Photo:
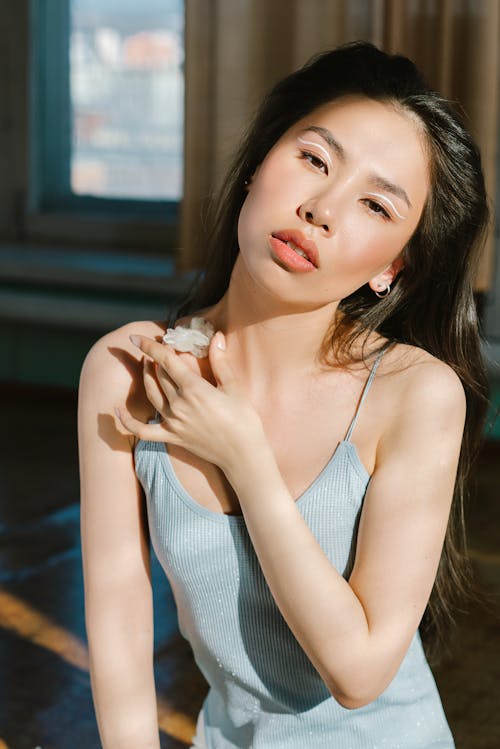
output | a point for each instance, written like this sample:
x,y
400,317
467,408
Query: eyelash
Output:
x,y
382,212
318,163
314,160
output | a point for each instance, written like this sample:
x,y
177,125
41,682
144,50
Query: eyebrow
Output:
x,y
388,186
328,137
375,179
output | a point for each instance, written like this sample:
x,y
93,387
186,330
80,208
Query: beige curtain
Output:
x,y
456,44
236,49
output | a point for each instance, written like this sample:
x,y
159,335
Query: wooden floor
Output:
x,y
45,698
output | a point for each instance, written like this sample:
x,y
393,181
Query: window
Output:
x,y
107,114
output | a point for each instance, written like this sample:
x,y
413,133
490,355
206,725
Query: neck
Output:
x,y
268,340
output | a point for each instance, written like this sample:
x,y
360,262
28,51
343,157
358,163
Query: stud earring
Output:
x,y
385,292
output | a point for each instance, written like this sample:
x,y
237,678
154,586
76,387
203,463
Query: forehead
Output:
x,y
369,117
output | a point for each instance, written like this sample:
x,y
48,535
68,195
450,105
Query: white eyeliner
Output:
x,y
321,148
383,197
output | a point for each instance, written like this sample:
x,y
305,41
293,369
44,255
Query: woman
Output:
x,y
303,509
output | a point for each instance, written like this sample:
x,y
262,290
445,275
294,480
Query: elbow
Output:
x,y
358,681
352,696
351,701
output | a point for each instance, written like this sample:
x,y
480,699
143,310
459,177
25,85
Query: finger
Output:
x,y
166,357
149,346
219,362
160,388
147,432
156,396
167,385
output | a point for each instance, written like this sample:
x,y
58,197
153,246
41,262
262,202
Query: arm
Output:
x,y
355,632
118,600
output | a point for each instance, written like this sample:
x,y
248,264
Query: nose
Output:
x,y
317,213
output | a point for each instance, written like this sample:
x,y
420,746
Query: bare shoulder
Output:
x,y
120,337
423,388
424,377
112,370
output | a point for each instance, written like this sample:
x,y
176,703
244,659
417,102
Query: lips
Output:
x,y
296,240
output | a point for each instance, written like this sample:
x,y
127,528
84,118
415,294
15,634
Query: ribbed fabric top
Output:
x,y
264,692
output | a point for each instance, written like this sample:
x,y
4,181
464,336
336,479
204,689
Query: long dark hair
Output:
x,y
431,304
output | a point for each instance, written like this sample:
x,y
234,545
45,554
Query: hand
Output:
x,y
216,422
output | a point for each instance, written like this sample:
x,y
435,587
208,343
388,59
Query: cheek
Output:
x,y
370,244
274,184
246,221
263,204
251,234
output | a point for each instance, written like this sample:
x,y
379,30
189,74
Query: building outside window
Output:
x,y
126,91
108,108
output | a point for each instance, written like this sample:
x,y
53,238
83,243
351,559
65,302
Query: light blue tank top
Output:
x,y
264,692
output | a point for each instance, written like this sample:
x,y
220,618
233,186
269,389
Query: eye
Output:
x,y
377,208
314,160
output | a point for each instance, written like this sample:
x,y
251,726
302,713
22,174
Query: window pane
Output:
x,y
127,91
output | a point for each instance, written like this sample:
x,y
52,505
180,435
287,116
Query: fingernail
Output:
x,y
221,341
136,340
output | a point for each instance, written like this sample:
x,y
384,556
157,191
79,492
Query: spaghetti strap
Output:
x,y
365,392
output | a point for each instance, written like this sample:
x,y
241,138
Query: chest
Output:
x,y
303,434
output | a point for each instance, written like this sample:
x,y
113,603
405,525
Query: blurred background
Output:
x,y
117,118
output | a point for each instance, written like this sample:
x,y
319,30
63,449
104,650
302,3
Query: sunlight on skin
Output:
x,y
19,617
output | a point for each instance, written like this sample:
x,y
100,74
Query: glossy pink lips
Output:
x,y
285,245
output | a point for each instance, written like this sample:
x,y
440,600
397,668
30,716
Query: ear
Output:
x,y
384,279
250,179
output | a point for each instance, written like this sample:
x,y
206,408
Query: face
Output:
x,y
334,203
